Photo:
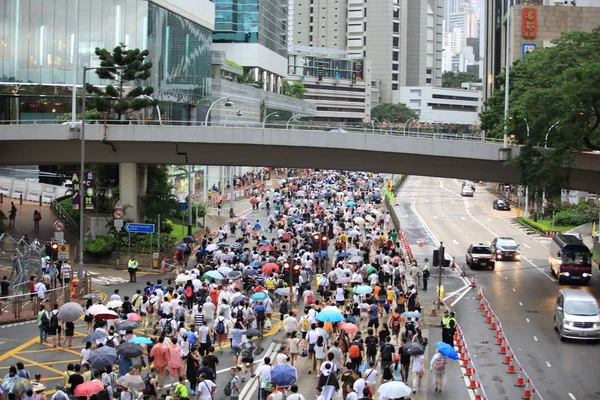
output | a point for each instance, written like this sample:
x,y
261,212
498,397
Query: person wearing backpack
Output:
x,y
54,328
221,331
261,315
395,324
284,309
43,320
438,366
372,344
232,388
355,352
387,353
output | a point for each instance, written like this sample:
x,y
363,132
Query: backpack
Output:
x,y
283,307
370,394
168,328
270,283
44,318
440,364
220,329
227,388
410,326
354,351
280,284
148,388
351,319
189,292
310,299
191,338
397,272
305,325
260,314
110,341
386,352
395,323
239,315
54,320
371,342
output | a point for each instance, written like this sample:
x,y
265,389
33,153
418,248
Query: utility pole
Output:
x,y
440,266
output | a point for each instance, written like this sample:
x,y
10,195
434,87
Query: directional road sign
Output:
x,y
139,228
183,206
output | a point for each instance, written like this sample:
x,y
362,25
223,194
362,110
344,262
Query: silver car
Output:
x,y
576,315
467,191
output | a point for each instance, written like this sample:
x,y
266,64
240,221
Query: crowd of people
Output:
x,y
349,303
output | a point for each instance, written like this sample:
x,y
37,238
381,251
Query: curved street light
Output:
x,y
275,114
287,126
228,103
406,123
545,147
239,114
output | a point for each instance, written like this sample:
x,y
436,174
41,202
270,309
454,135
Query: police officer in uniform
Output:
x,y
426,273
132,266
448,328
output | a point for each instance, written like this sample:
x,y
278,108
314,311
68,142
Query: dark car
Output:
x,y
505,248
480,255
500,204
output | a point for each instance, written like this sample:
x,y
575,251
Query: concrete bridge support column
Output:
x,y
133,179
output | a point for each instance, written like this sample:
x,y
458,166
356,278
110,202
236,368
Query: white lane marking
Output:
x,y
454,241
526,245
548,364
521,304
506,277
571,396
463,218
456,292
514,290
527,319
535,338
460,297
435,217
489,219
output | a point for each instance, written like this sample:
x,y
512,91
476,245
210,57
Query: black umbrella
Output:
x,y
103,357
413,349
253,332
129,350
127,326
92,337
189,239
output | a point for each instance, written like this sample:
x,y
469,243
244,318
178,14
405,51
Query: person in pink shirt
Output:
x,y
175,360
214,296
160,354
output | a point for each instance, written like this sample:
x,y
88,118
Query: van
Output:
x,y
570,259
576,315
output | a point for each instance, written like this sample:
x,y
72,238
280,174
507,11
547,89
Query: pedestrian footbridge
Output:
x,y
443,155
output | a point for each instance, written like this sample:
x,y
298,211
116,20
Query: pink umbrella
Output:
x,y
253,200
287,205
348,327
133,317
97,308
86,389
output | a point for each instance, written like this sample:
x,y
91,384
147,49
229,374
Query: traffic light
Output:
x,y
286,267
316,237
296,269
325,241
436,258
54,255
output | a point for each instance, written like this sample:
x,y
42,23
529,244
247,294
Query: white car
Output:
x,y
467,191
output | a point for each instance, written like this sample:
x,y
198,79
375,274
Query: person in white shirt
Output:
x,y
40,289
66,271
115,296
262,375
282,357
340,296
166,308
208,309
371,374
291,324
206,388
359,383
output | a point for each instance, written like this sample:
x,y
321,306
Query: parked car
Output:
x,y
499,204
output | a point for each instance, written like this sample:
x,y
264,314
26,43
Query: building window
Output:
x,y
311,20
310,38
395,41
312,10
365,12
428,80
394,86
365,26
395,55
394,67
310,28
364,40
395,77
396,27
428,71
365,54
396,13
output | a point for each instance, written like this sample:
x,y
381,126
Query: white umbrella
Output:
x,y
212,247
359,220
182,278
394,389
354,232
97,308
114,304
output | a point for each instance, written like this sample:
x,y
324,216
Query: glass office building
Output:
x,y
252,21
41,41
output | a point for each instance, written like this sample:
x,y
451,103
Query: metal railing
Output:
x,y
409,132
63,215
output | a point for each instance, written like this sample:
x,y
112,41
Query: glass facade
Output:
x,y
305,65
252,21
40,41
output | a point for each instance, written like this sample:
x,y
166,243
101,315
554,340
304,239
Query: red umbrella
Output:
x,y
133,317
293,187
86,389
109,314
259,289
266,247
270,268
253,200
348,327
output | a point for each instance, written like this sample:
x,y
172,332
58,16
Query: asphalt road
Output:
x,y
521,293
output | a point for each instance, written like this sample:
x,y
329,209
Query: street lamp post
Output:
x,y
373,124
507,74
228,103
82,162
406,123
275,114
287,126
239,114
545,147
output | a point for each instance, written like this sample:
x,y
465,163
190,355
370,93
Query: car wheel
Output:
x,y
492,267
560,332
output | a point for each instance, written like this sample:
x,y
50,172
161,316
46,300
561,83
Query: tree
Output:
x,y
555,92
158,198
451,79
394,113
294,89
126,94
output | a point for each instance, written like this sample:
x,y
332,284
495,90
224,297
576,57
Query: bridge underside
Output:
x,y
68,152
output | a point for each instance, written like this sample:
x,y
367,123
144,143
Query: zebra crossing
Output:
x,y
106,280
526,230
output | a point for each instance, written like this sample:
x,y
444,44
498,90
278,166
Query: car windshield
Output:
x,y
575,257
467,189
584,308
500,202
482,250
506,242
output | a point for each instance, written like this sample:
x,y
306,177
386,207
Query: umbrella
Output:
x,y
259,288
413,349
242,218
129,350
132,382
350,203
223,244
332,308
342,280
266,247
114,304
250,272
343,254
189,239
253,200
225,270
411,314
109,314
283,375
211,247
371,270
237,245
234,275
16,384
182,247
92,337
263,242
127,326
93,296
103,357
213,275
356,259
394,390
359,220
238,300
253,332
86,389
259,296
141,340
133,317
322,254
447,350
97,308
348,327
181,278
282,292
70,312
363,289
269,268
330,316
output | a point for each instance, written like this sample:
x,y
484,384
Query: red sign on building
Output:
x,y
529,23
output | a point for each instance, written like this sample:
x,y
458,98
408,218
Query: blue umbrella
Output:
x,y
141,340
213,275
259,296
363,289
182,247
250,272
411,314
238,300
283,375
344,254
263,242
330,316
225,270
447,350
322,254
350,203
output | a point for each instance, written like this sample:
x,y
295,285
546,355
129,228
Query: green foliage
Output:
x,y
545,225
294,89
394,113
582,213
102,245
158,198
143,243
245,78
125,95
233,64
90,115
549,85
451,79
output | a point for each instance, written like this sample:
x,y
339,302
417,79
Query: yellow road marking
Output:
x,y
37,364
17,349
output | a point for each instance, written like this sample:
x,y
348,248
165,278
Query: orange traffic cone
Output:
x,y
488,319
493,324
469,370
497,334
508,355
511,366
472,383
420,242
433,311
479,294
487,310
478,395
472,280
463,273
503,347
500,339
520,379
481,304
527,391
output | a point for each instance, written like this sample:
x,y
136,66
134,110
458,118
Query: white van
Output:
x,y
576,315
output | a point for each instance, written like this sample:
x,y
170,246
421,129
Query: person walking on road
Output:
x,y
418,369
43,320
426,271
37,217
438,365
132,266
12,214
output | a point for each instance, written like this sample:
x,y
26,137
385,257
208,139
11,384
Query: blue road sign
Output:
x,y
139,228
183,206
